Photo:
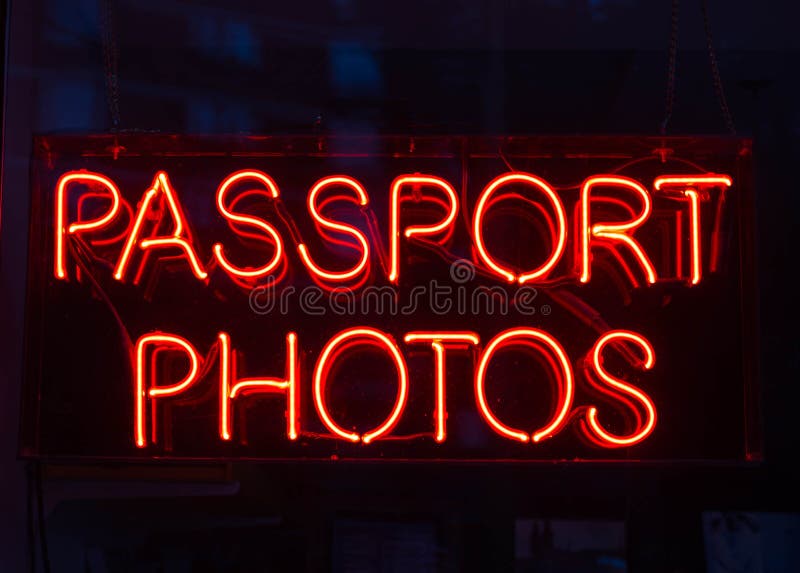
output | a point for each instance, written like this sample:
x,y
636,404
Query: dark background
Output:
x,y
412,67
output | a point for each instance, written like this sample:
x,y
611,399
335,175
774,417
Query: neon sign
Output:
x,y
307,298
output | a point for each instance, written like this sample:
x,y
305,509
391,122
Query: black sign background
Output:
x,y
79,398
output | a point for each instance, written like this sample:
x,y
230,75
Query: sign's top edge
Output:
x,y
508,137
543,146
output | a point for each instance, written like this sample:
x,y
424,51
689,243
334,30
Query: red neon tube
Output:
x,y
346,338
439,341
268,231
178,238
563,374
230,388
416,230
561,228
160,342
613,232
360,199
61,216
596,432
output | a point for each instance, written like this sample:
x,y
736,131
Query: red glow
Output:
x,y
613,232
694,216
160,342
160,186
692,181
269,234
678,244
360,199
439,341
416,230
450,336
230,389
561,230
626,268
347,338
61,229
440,413
597,433
687,186
615,237
341,299
105,241
543,213
563,377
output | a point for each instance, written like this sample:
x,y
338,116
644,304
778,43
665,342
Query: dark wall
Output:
x,y
341,66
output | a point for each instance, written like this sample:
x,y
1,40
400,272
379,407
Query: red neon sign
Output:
x,y
439,342
610,235
159,342
270,234
62,229
416,230
562,372
595,430
560,232
324,224
229,390
308,305
179,238
351,338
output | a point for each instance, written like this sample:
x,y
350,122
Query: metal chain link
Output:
x,y
110,60
671,64
712,58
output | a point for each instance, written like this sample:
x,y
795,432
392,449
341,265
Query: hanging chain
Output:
x,y
712,58
673,56
110,60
